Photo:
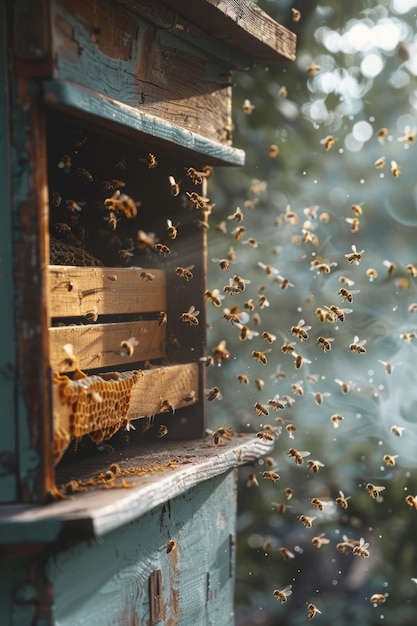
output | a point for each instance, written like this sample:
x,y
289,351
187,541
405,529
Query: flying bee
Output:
x,y
390,459
245,333
85,174
286,554
348,282
268,337
299,360
358,345
172,230
395,169
259,383
213,296
265,435
411,501
312,610
235,315
224,264
397,430
361,549
208,360
380,163
252,481
320,540
213,393
62,228
319,396
355,256
411,269
65,163
342,500
190,317
340,313
220,435
296,15
346,546
220,352
128,346
247,107
313,69
325,343
357,209
409,134
374,490
307,520
260,356
276,403
298,455
354,224
221,227
263,301
269,270
273,151
290,428
145,240
151,161
174,186
408,336
70,359
272,476
389,367
282,594
291,216
314,465
297,388
280,507
162,249
335,419
200,202
328,142
345,385
382,134
316,503
412,307
73,206
288,493
260,409
238,232
300,330
185,272
237,216
377,599
196,177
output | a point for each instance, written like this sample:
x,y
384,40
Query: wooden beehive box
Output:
x,y
104,108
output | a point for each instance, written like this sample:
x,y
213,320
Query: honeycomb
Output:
x,y
90,405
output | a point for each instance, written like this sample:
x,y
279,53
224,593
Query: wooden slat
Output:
x,y
243,25
76,291
140,126
99,345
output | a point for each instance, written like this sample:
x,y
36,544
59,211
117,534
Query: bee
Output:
x,y
300,330
380,163
286,554
321,266
290,428
273,151
185,272
276,403
112,185
172,230
340,313
196,177
162,431
252,481
299,361
297,388
280,507
273,476
411,501
298,455
355,256
342,500
307,520
62,228
288,493
377,599
312,610
190,317
65,163
249,305
408,336
237,216
319,396
162,318
269,270
268,337
259,384
151,161
412,307
409,136
85,174
260,357
335,419
411,269
144,240
354,224
282,594
200,202
235,315
265,435
346,546
389,367
374,490
313,69
248,107
296,15
314,465
245,333
189,397
345,385
162,249
175,186
148,276
395,169
325,343
128,346
221,352
73,206
320,540
361,549
171,546
358,346
213,393
126,254
390,459
213,296
316,503
263,301
282,92
397,430
92,315
382,134
56,199
221,434
357,209
260,409
328,142
224,264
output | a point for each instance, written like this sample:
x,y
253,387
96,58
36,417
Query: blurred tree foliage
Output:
x,y
297,209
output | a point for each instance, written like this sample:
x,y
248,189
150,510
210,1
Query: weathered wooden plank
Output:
x,y
106,345
169,469
169,137
8,446
243,25
79,291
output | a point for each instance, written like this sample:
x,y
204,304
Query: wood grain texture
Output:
x,y
101,345
242,24
76,291
96,513
163,135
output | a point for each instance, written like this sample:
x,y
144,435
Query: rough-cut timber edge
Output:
x,y
94,513
243,25
173,139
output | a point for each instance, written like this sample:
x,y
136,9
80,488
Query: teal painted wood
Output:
x,y
8,485
106,582
77,100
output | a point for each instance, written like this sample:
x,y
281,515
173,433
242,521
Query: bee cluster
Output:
x,y
296,308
